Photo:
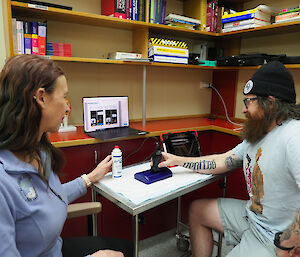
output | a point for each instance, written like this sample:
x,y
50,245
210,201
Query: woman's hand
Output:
x,y
107,253
102,168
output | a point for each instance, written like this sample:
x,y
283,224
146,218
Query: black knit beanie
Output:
x,y
272,79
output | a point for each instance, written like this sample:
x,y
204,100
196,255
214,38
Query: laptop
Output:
x,y
106,118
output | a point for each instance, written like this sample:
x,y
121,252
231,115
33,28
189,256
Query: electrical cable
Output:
x,y
139,148
224,105
148,157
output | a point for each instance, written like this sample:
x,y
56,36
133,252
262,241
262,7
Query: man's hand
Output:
x,y
291,238
169,160
292,253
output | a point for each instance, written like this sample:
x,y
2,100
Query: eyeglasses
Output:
x,y
247,101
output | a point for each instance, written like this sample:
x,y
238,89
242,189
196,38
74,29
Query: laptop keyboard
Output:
x,y
116,133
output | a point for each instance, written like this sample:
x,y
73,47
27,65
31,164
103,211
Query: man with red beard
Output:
x,y
268,224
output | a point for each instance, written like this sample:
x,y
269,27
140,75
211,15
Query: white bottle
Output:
x,y
117,162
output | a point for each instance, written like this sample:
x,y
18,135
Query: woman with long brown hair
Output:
x,y
33,202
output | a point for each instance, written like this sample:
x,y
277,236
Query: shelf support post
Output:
x,y
144,95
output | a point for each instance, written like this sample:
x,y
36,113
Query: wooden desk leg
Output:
x,y
136,235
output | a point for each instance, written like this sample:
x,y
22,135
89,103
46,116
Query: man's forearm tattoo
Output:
x,y
201,165
232,163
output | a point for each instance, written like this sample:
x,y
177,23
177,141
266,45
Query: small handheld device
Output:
x,y
154,174
156,158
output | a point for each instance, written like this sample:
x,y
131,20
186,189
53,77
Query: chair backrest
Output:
x,y
89,209
184,143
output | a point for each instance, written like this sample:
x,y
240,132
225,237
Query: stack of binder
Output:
x,y
170,51
182,21
259,16
288,14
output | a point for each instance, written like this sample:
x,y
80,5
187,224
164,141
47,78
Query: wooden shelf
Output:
x,y
173,65
22,9
107,61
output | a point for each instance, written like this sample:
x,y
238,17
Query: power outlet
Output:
x,y
204,84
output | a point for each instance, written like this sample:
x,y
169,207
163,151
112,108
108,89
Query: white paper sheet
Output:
x,y
138,192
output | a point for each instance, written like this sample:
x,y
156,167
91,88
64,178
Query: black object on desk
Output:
x,y
154,174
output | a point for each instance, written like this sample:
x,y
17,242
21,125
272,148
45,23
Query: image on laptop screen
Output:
x,y
105,112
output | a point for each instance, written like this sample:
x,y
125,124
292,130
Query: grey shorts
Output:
x,y
248,242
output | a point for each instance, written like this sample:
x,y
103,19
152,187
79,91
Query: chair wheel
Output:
x,y
182,244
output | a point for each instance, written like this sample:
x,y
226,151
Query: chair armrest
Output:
x,y
83,209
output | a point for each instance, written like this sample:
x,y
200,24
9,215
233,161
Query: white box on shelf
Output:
x,y
123,55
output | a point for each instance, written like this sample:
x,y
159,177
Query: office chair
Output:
x,y
90,209
186,143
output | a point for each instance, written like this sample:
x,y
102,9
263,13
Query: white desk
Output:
x,y
116,190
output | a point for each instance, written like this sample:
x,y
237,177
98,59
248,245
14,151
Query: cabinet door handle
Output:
x,y
96,157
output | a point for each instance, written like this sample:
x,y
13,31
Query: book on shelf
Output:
x,y
141,12
59,49
221,10
49,48
253,21
170,59
152,10
35,47
157,11
294,18
261,12
113,8
40,3
287,16
154,41
182,19
42,32
67,48
180,25
290,9
128,6
137,59
14,34
212,16
124,55
170,51
163,11
20,37
240,27
135,13
27,37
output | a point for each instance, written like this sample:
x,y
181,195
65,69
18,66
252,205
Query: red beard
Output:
x,y
255,128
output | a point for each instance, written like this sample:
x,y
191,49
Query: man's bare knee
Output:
x,y
205,212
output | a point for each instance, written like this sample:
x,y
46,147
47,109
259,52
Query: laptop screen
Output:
x,y
105,112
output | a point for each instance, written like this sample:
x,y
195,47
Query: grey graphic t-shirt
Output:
x,y
272,172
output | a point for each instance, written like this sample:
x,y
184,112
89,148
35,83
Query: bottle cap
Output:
x,y
116,146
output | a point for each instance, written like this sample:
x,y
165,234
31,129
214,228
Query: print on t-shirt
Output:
x,y
257,185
